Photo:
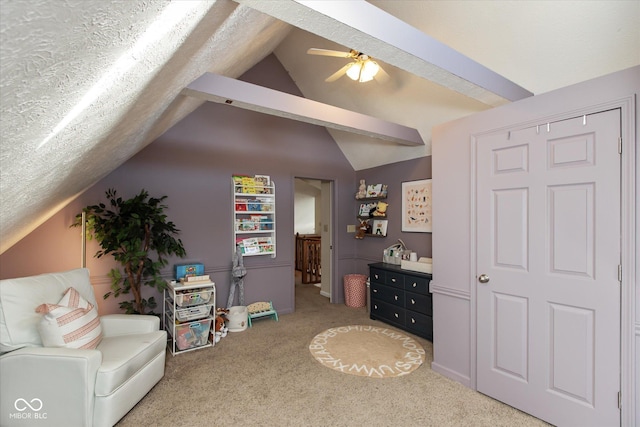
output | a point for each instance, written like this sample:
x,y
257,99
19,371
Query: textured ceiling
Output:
x,y
86,84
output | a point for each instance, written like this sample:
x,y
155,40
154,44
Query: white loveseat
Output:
x,y
72,387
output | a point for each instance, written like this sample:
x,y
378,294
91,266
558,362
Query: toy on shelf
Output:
x,y
380,209
362,228
261,309
362,190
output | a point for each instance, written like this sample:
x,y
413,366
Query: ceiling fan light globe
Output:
x,y
369,70
353,72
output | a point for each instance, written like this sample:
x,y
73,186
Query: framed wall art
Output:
x,y
416,206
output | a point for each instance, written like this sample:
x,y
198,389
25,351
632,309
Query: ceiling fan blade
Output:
x,y
381,76
326,52
341,72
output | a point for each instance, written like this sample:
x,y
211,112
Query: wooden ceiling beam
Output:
x,y
224,90
359,25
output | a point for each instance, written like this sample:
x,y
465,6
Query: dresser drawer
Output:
x,y
388,312
394,279
419,324
418,302
415,284
376,275
401,298
387,294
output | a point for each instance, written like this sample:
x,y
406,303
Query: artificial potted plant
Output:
x,y
138,235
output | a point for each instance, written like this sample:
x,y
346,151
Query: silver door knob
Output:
x,y
483,278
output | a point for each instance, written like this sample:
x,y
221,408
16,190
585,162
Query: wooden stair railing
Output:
x,y
308,249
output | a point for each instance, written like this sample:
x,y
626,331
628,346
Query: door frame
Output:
x,y
627,243
327,266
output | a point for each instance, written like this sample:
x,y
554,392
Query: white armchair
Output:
x,y
72,387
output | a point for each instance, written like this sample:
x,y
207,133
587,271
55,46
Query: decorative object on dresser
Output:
x,y
401,298
395,253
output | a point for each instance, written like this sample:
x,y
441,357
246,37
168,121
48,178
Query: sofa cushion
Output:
x,y
20,297
123,356
72,323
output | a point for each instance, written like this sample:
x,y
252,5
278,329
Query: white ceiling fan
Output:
x,y
362,69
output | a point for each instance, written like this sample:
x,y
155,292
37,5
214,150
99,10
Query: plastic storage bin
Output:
x,y
194,334
193,297
355,290
192,313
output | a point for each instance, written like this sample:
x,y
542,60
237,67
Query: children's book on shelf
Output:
x,y
265,204
379,227
237,183
374,190
258,184
255,245
265,244
365,209
250,246
249,185
253,205
263,184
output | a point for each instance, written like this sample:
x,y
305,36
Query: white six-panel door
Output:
x,y
548,251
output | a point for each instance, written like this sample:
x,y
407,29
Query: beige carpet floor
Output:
x,y
266,376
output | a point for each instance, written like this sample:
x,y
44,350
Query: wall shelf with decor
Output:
x,y
372,211
254,214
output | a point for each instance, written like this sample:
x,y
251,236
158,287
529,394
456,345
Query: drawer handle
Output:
x,y
395,314
375,291
375,306
415,284
413,320
376,276
393,280
413,301
396,297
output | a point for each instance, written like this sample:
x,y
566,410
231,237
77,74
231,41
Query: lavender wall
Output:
x,y
370,249
192,164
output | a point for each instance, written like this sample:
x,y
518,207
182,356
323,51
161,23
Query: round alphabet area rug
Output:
x,y
367,351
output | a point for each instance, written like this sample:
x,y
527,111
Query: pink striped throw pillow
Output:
x,y
72,323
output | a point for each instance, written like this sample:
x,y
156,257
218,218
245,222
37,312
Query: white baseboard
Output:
x,y
464,380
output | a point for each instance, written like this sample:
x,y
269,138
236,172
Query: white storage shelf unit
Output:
x,y
254,219
188,315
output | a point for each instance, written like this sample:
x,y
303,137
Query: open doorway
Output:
x,y
313,233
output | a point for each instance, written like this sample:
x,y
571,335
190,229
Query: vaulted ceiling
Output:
x,y
86,84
